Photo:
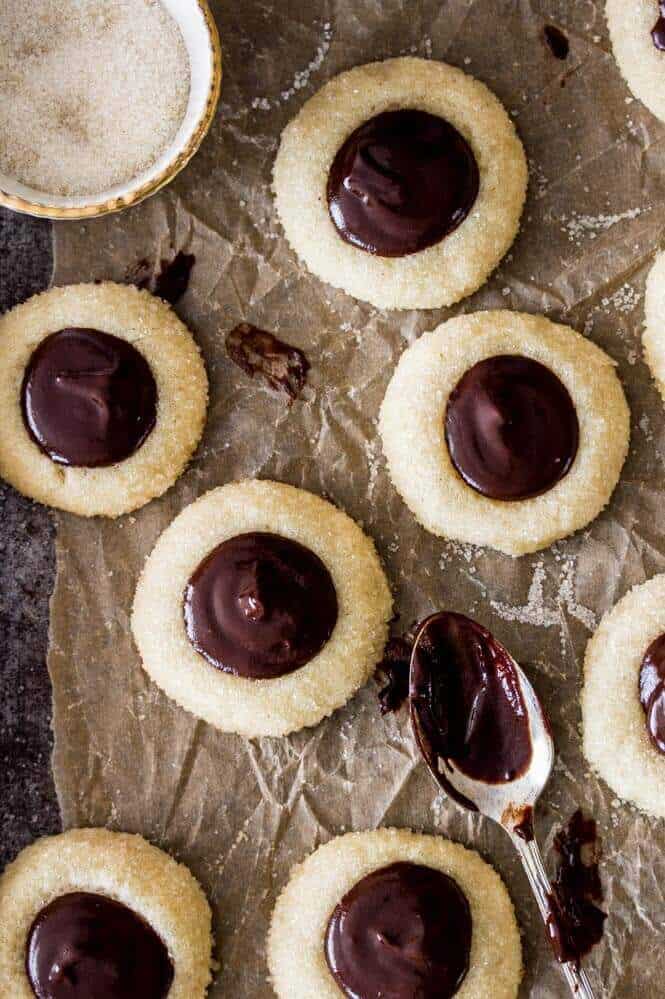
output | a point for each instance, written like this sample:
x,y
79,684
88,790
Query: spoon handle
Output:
x,y
530,856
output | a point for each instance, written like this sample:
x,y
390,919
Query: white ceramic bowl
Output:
x,y
205,58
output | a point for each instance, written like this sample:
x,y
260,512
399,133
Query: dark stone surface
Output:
x,y
28,807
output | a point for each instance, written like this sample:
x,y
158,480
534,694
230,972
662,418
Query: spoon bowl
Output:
x,y
486,700
510,804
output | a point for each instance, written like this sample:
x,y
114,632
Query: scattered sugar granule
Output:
x,y
538,178
568,597
261,104
91,93
576,226
535,610
301,78
645,427
625,299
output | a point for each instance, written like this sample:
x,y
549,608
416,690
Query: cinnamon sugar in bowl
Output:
x,y
101,104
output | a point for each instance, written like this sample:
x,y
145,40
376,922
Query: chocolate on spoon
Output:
x,y
485,738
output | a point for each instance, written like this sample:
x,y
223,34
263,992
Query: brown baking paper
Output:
x,y
242,812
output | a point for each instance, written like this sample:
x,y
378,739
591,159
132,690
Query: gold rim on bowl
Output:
x,y
123,201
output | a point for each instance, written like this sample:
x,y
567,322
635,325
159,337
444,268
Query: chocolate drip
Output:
x,y
524,826
82,946
403,931
258,352
511,428
652,691
260,606
658,30
467,705
89,399
556,41
170,282
402,182
576,923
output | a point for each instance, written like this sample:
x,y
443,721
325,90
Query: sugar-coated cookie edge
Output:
x,y
177,366
653,337
126,868
615,738
640,63
441,274
296,956
302,698
412,422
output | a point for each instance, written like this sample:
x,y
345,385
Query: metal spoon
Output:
x,y
510,803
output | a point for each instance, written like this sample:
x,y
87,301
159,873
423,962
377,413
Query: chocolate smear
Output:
x,y
394,670
169,282
261,353
524,827
556,42
576,923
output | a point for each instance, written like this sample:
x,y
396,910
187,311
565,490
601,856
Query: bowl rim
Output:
x,y
41,209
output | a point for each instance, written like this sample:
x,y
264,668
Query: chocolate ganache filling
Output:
x,y
467,703
403,931
83,946
401,182
89,398
511,428
260,606
658,31
652,691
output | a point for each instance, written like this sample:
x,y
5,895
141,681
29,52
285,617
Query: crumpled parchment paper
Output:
x,y
240,812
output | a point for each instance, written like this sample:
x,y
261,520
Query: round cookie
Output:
x,y
436,384
121,421
617,743
45,902
297,938
475,126
653,337
205,641
631,25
